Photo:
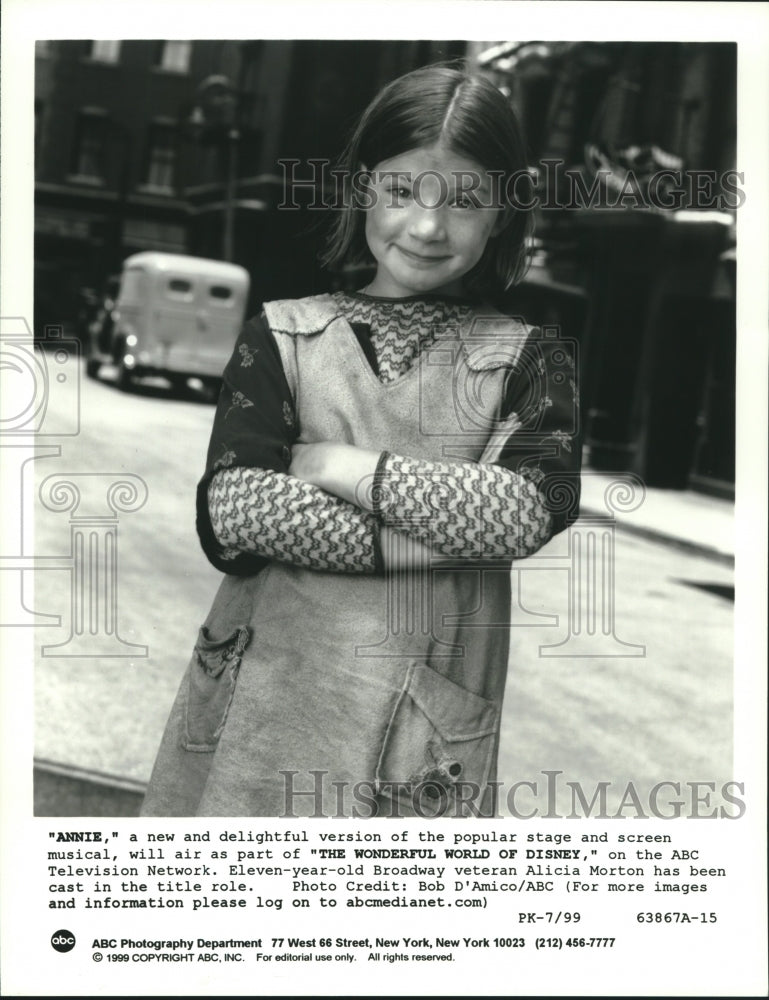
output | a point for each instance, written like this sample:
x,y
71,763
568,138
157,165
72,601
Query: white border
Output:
x,y
746,23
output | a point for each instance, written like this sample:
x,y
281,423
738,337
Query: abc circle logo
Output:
x,y
63,941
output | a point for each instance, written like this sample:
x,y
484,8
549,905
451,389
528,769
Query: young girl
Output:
x,y
378,460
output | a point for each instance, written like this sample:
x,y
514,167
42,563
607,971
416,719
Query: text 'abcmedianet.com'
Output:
x,y
241,869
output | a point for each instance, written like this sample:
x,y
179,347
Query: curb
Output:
x,y
69,790
663,538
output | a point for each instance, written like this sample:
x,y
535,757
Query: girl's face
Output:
x,y
431,214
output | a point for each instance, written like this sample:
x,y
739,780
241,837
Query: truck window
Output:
x,y
221,293
178,288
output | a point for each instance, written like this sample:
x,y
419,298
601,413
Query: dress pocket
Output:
x,y
212,675
439,746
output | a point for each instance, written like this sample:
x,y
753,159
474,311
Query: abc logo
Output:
x,y
63,941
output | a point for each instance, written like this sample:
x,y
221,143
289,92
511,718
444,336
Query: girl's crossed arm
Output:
x,y
250,509
505,506
266,497
460,510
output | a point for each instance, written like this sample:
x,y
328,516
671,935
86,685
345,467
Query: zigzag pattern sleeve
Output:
x,y
464,510
276,516
249,509
526,486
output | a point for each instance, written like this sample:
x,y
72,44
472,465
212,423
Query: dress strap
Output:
x,y
301,317
493,341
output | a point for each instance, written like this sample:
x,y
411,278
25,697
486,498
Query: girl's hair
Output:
x,y
467,113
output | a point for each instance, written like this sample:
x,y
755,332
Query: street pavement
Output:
x,y
656,705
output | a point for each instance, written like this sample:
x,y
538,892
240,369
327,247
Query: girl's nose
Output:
x,y
427,223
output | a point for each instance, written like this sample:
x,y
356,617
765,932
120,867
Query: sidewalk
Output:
x,y
693,521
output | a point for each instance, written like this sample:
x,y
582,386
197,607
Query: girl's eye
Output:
x,y
464,201
396,196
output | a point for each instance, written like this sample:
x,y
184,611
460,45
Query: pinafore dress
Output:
x,y
326,694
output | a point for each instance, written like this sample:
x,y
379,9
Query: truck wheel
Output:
x,y
125,377
211,389
92,367
179,385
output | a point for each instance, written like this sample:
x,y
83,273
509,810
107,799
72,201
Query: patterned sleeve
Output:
x,y
524,489
281,517
249,509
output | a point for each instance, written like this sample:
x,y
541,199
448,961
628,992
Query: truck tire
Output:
x,y
125,377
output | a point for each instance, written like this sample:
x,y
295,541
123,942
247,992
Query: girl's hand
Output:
x,y
405,552
340,469
347,472
308,462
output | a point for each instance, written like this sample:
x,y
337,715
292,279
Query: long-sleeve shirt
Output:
x,y
250,509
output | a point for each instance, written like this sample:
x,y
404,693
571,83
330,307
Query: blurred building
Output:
x,y
634,145
107,155
174,145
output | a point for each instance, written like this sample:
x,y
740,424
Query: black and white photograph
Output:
x,y
204,181
372,446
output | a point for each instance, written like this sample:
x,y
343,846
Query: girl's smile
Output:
x,y
425,260
429,221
